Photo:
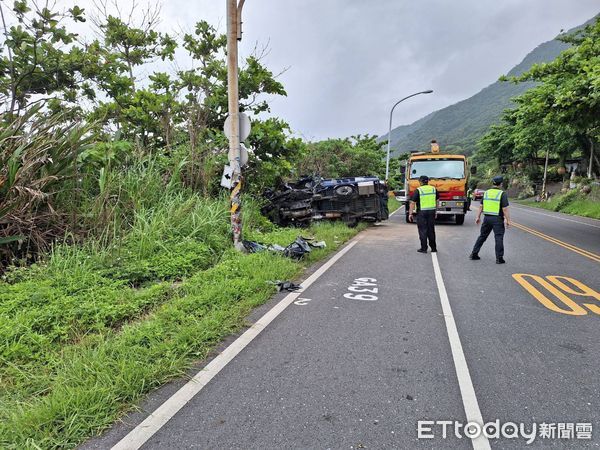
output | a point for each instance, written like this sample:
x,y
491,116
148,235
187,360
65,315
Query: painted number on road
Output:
x,y
557,289
363,289
302,301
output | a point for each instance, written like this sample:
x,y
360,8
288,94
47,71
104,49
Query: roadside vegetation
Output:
x,y
117,270
393,204
81,345
579,202
558,117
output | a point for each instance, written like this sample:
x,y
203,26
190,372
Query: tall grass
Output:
x,y
38,155
127,297
78,383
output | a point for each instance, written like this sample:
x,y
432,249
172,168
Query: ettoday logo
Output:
x,y
430,429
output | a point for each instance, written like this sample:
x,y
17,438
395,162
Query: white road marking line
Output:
x,y
534,210
155,421
399,208
467,391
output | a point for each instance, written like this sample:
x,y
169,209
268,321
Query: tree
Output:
x,y
560,115
274,154
204,104
498,143
570,85
41,59
124,45
350,157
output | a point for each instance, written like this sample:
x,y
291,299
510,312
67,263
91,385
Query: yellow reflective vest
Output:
x,y
427,199
491,202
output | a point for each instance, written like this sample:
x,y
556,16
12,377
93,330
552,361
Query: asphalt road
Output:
x,y
337,371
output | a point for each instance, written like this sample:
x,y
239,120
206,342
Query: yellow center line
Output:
x,y
558,241
587,254
566,245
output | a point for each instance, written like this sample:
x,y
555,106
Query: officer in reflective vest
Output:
x,y
423,204
494,206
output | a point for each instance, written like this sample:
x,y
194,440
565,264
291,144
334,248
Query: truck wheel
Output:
x,y
344,193
351,222
460,219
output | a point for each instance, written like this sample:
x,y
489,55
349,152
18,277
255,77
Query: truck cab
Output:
x,y
448,173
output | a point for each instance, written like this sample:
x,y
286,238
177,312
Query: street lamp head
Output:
x,y
387,161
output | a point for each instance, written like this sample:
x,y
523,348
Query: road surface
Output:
x,y
382,339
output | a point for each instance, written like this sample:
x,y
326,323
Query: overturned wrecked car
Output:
x,y
349,199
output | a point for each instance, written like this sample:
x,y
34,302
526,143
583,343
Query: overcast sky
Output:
x,y
349,61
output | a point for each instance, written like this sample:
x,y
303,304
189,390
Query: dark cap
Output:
x,y
424,179
497,180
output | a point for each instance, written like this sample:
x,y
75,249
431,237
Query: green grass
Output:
x,y
80,345
586,208
393,204
573,202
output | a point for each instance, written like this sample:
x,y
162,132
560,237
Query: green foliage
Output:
x,y
38,157
39,57
338,158
171,240
564,200
560,115
583,207
573,202
57,308
92,361
570,82
523,183
274,154
104,155
396,179
252,219
393,204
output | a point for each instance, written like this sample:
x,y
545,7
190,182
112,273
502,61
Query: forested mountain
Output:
x,y
458,127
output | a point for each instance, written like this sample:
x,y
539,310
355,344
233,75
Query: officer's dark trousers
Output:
x,y
490,223
426,226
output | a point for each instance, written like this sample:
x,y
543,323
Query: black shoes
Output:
x,y
434,250
422,251
475,257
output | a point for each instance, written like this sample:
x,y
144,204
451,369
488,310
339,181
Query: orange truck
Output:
x,y
449,174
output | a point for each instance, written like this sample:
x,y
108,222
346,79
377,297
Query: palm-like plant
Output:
x,y
38,159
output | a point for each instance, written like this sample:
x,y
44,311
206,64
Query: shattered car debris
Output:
x,y
285,285
296,250
349,199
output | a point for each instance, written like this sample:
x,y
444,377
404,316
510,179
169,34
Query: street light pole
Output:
x,y
234,12
387,161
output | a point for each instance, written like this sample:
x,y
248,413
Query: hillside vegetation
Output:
x,y
575,202
459,127
557,120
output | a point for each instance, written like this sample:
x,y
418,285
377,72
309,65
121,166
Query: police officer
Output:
x,y
469,198
494,206
423,204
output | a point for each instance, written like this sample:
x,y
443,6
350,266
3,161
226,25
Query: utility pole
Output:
x,y
543,194
591,158
234,33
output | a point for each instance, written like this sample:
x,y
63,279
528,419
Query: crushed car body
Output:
x,y
351,199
